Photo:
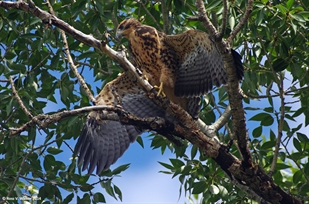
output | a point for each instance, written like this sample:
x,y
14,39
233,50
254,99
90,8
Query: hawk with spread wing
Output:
x,y
183,67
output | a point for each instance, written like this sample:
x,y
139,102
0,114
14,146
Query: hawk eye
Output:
x,y
121,27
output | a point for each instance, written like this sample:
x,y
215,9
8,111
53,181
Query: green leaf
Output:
x,y
280,166
212,5
118,192
177,163
54,150
139,140
167,165
86,187
289,4
69,198
302,137
193,151
199,187
120,169
108,188
268,145
297,145
304,190
98,197
257,132
232,22
265,118
49,162
84,200
259,17
280,64
214,189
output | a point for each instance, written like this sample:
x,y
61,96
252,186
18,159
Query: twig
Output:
x,y
148,12
205,20
242,22
70,60
17,176
214,19
295,162
211,130
4,80
40,63
46,120
280,126
224,19
164,16
20,102
223,119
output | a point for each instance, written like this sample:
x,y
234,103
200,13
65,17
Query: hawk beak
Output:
x,y
119,34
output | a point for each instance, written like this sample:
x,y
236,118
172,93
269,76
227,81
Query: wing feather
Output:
x,y
103,142
201,64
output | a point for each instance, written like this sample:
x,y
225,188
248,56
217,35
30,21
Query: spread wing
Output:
x,y
102,142
201,64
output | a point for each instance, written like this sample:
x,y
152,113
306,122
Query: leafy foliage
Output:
x,y
274,45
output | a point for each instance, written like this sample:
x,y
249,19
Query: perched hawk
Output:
x,y
183,67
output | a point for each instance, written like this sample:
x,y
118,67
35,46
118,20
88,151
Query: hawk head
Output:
x,y
126,27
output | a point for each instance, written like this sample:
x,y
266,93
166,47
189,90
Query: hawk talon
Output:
x,y
160,90
146,78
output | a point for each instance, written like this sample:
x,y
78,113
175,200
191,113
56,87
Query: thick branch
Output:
x,y
251,176
46,120
233,89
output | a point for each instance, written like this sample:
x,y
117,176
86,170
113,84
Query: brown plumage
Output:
x,y
183,66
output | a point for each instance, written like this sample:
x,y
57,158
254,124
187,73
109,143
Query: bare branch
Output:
x,y
148,12
205,20
17,176
280,126
242,22
223,119
233,89
224,19
46,120
20,102
70,60
164,16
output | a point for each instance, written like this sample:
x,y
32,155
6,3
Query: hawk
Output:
x,y
183,67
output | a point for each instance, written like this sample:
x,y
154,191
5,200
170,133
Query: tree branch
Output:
x,y
164,16
205,20
70,60
148,12
250,176
280,127
20,102
242,22
224,19
233,89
